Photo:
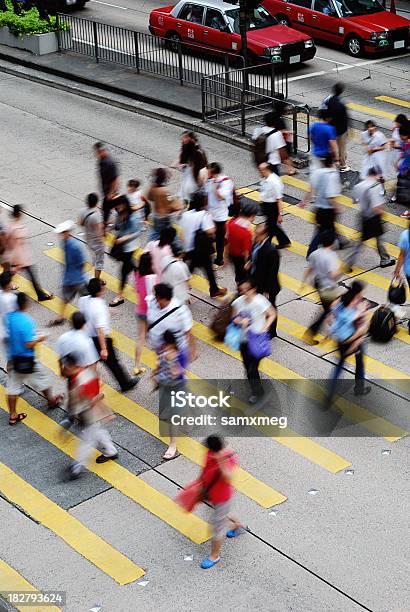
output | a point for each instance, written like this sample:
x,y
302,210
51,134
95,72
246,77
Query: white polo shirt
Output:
x,y
96,313
79,343
179,322
274,142
190,222
223,185
271,188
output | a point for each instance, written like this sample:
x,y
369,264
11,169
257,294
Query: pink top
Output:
x,y
157,255
144,286
17,251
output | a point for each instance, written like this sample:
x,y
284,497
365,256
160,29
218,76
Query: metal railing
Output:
x,y
241,108
184,62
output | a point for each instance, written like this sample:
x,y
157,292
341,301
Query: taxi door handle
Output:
x,y
206,32
314,16
178,25
288,8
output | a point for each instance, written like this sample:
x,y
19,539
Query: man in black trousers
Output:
x,y
264,268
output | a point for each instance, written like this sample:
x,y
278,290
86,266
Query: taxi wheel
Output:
x,y
354,46
173,41
283,20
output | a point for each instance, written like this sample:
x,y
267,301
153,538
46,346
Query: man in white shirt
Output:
x,y
78,342
219,189
370,196
97,316
8,303
164,312
176,273
191,223
275,145
271,192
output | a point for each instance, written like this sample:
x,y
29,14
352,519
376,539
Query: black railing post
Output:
x,y
203,98
180,66
272,81
295,129
95,33
137,52
243,118
58,33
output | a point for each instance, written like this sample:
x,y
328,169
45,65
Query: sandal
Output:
x,y
46,296
169,455
14,288
139,371
116,302
20,417
56,322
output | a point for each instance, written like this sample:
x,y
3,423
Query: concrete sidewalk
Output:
x,y
163,92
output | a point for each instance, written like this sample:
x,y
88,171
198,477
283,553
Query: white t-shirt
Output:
x,y
255,309
76,341
271,188
179,322
370,195
324,262
191,221
8,303
176,273
96,313
326,184
274,142
219,209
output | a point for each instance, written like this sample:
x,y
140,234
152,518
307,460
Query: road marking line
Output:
x,y
127,346
67,527
324,59
243,481
268,366
396,101
119,477
307,76
368,110
11,580
123,8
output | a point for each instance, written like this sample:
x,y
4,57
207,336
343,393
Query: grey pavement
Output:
x,y
344,549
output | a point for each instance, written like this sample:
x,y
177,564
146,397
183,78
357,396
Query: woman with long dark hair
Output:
x,y
349,325
192,163
127,230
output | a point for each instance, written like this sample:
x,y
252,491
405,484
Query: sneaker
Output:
x,y
104,458
405,215
361,390
393,198
220,292
344,169
387,263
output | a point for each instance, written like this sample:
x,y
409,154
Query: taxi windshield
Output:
x,y
350,8
259,18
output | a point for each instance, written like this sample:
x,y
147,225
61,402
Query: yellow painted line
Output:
x,y
370,110
67,527
396,101
11,580
149,358
244,482
117,476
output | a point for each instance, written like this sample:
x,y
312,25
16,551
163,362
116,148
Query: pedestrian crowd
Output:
x,y
204,226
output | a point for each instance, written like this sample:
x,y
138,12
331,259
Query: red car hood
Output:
x,y
275,35
380,22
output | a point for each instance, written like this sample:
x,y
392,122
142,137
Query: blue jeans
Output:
x,y
158,224
359,372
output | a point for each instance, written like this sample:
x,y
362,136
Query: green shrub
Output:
x,y
28,22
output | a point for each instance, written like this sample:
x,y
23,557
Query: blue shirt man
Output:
x,y
20,329
323,136
74,262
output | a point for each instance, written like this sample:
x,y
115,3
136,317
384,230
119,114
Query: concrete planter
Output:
x,y
39,44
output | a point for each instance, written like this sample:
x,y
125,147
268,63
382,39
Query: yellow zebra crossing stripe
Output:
x,y
118,477
369,110
396,101
11,580
244,482
276,371
67,527
308,449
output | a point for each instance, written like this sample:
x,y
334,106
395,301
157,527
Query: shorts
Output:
x,y
140,316
38,379
70,291
219,519
97,253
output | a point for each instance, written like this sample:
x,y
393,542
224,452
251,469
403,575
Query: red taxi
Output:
x,y
361,26
214,25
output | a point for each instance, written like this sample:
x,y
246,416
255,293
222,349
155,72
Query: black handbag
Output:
x,y
372,227
397,292
23,364
403,189
203,244
117,251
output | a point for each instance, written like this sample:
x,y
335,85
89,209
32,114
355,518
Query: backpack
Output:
x,y
260,155
203,243
222,319
325,103
382,325
397,292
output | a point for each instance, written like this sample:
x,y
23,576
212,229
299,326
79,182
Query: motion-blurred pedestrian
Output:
x,y
145,281
164,204
374,150
109,178
127,229
239,239
340,120
219,189
91,219
271,192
